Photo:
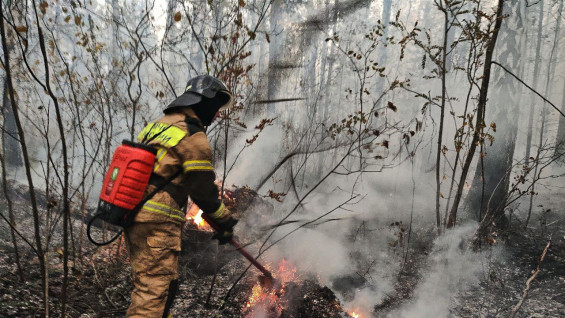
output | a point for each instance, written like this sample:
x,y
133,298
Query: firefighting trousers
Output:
x,y
154,250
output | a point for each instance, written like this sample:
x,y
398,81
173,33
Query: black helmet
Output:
x,y
206,95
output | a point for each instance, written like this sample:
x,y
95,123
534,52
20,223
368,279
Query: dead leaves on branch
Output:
x,y
264,123
278,196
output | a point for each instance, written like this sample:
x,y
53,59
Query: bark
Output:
x,y
479,119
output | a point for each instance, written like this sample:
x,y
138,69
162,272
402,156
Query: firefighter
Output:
x,y
154,239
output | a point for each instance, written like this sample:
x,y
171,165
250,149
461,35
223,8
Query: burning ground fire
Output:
x,y
277,300
265,300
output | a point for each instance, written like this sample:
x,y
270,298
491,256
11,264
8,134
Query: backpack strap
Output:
x,y
194,126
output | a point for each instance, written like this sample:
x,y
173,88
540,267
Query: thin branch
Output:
x,y
529,281
529,87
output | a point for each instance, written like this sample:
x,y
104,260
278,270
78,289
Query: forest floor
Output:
x,y
100,285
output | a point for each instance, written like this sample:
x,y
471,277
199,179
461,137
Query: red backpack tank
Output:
x,y
126,181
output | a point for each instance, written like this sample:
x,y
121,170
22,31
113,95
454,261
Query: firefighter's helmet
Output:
x,y
206,95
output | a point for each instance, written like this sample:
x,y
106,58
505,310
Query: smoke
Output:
x,y
452,268
259,158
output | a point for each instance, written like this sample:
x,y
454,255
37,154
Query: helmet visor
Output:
x,y
186,99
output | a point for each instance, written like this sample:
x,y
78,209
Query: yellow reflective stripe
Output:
x,y
166,136
163,213
164,206
197,165
219,212
161,153
198,161
198,168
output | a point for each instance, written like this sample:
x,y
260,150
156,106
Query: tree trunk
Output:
x,y
479,120
11,218
443,69
551,66
10,144
560,138
275,54
27,163
492,176
535,84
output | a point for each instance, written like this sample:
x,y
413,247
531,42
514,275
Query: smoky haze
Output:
x,y
354,119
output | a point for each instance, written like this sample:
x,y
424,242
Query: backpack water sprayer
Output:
x,y
125,183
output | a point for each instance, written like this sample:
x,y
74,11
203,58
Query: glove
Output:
x,y
225,223
225,234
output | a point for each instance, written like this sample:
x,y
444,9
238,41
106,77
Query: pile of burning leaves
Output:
x,y
289,296
204,262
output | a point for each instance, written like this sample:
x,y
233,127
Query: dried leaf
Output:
x,y
21,28
491,241
392,106
241,3
43,6
251,34
493,126
177,17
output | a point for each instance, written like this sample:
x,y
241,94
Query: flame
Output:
x,y
268,299
198,220
354,315
194,215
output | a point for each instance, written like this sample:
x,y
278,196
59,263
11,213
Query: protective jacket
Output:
x,y
182,144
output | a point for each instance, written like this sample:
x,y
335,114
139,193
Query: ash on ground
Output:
x,y
100,284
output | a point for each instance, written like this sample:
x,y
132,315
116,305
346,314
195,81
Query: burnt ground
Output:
x,y
101,288
100,285
502,287
502,279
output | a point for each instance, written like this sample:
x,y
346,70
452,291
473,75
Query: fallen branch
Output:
x,y
109,299
529,282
